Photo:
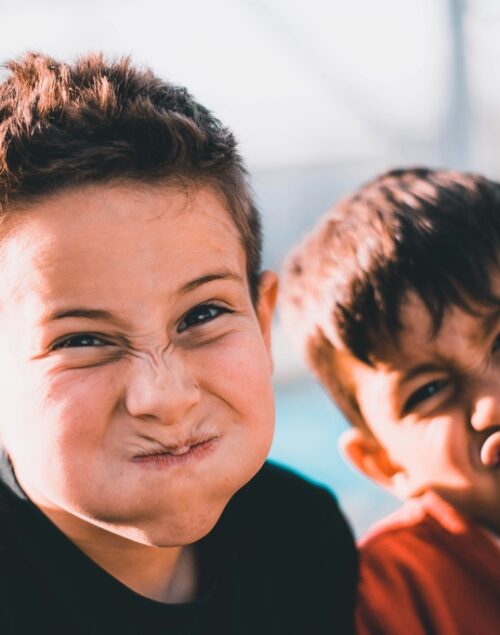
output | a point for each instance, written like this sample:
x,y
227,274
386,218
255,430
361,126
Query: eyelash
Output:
x,y
423,393
214,311
69,341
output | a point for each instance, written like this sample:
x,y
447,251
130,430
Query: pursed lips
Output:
x,y
177,448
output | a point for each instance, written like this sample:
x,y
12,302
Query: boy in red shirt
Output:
x,y
395,298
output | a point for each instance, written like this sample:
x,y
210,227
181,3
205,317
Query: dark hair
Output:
x,y
433,232
65,125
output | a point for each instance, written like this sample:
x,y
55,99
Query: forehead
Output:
x,y
99,240
460,334
117,203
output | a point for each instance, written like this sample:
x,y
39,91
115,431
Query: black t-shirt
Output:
x,y
280,561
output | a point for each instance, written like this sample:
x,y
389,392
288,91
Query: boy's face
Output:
x,y
432,406
135,375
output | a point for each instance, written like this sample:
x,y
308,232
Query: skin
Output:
x,y
429,410
97,406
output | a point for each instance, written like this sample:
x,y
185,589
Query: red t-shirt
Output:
x,y
426,570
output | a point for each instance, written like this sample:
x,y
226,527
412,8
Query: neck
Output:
x,y
164,574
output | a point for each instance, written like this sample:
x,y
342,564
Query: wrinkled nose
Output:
x,y
163,391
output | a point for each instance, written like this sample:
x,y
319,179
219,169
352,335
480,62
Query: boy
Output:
x,y
395,298
136,376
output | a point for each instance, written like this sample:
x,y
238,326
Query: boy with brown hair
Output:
x,y
395,299
136,376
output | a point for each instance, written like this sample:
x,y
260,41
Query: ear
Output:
x,y
366,454
268,292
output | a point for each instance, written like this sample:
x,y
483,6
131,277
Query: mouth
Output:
x,y
490,451
187,451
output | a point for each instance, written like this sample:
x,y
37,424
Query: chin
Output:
x,y
178,536
174,530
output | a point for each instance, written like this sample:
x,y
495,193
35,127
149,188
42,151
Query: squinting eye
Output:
x,y
201,314
79,341
423,393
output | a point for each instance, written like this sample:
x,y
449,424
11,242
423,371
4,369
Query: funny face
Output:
x,y
135,371
431,405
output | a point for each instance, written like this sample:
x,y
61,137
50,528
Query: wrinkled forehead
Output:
x,y
111,241
461,330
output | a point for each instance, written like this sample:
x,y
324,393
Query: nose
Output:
x,y
163,391
486,406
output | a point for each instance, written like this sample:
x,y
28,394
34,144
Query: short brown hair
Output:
x,y
95,121
434,232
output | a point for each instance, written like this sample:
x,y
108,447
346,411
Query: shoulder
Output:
x,y
393,557
398,554
293,542
424,527
279,513
405,524
402,544
285,518
426,534
436,563
282,494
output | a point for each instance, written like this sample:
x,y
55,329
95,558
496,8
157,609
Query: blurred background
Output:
x,y
322,95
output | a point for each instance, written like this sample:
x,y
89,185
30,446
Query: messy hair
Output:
x,y
432,232
97,121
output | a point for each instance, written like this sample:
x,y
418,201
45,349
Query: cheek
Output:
x,y
57,418
239,371
447,442
237,381
81,402
435,451
59,439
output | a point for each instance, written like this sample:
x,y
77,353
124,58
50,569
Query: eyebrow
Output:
x,y
225,274
87,314
80,312
420,369
103,314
